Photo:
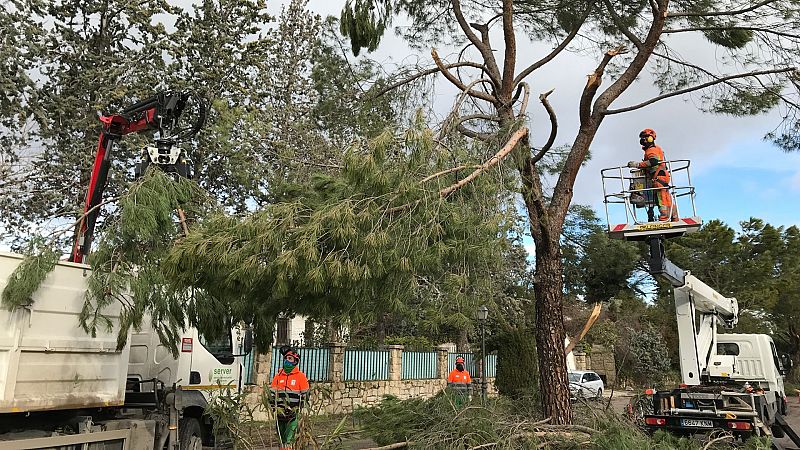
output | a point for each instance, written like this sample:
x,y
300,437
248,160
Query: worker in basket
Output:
x,y
657,177
460,382
288,394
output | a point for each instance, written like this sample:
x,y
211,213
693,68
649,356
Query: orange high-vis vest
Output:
x,y
293,381
655,152
459,377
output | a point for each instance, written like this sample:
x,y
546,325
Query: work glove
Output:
x,y
633,163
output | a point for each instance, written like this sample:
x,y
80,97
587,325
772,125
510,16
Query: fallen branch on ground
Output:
x,y
392,446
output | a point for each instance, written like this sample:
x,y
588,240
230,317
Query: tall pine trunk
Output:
x,y
550,334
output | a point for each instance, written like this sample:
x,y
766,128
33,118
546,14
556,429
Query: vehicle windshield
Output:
x,y
574,377
221,345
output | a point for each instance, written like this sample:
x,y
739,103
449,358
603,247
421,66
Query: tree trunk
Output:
x,y
309,334
380,328
463,341
550,335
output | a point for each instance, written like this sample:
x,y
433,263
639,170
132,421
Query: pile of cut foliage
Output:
x,y
438,423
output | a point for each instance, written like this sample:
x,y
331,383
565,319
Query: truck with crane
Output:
x,y
61,388
731,382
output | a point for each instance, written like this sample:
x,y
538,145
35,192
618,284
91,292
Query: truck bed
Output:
x,y
47,362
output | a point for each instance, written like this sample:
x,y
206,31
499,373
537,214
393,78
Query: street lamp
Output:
x,y
483,314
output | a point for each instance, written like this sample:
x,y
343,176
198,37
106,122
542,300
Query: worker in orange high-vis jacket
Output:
x,y
460,382
288,393
658,176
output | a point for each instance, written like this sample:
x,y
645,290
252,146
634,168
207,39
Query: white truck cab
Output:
x,y
756,361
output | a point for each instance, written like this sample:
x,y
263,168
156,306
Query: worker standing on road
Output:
x,y
288,393
460,382
655,166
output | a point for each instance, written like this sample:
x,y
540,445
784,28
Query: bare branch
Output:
x,y
474,134
698,87
510,59
452,78
549,57
469,117
711,443
524,106
553,127
621,27
723,13
484,30
425,73
488,57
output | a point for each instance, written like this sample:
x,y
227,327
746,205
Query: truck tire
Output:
x,y
190,434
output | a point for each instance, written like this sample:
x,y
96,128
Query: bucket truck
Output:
x,y
731,382
61,388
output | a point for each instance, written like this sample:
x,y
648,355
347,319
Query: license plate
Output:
x,y
696,423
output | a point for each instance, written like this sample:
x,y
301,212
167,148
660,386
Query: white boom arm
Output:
x,y
699,309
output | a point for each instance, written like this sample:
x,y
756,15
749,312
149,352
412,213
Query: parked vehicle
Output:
x,y
585,384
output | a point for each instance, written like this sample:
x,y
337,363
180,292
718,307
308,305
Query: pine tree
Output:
x,y
368,240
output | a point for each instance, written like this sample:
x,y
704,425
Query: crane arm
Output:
x,y
699,309
160,113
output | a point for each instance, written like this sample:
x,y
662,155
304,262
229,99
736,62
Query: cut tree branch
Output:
x,y
494,160
723,13
499,156
698,87
553,127
592,319
559,48
425,73
453,79
593,84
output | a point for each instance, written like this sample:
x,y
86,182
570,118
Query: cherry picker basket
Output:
x,y
630,200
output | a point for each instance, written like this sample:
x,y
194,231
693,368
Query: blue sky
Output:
x,y
754,179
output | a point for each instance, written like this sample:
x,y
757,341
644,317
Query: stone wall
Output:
x,y
601,360
338,396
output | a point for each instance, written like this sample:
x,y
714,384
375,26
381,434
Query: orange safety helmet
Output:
x,y
459,360
648,132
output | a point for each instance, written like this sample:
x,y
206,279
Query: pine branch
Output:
x,y
698,87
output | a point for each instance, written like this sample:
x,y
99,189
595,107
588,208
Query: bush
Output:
x,y
517,370
649,356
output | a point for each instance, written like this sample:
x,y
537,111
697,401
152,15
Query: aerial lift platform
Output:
x,y
710,397
630,203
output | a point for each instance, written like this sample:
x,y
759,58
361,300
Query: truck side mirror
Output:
x,y
247,345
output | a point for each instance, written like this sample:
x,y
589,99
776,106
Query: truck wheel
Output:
x,y
599,395
191,434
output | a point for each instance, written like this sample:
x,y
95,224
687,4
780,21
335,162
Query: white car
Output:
x,y
585,384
